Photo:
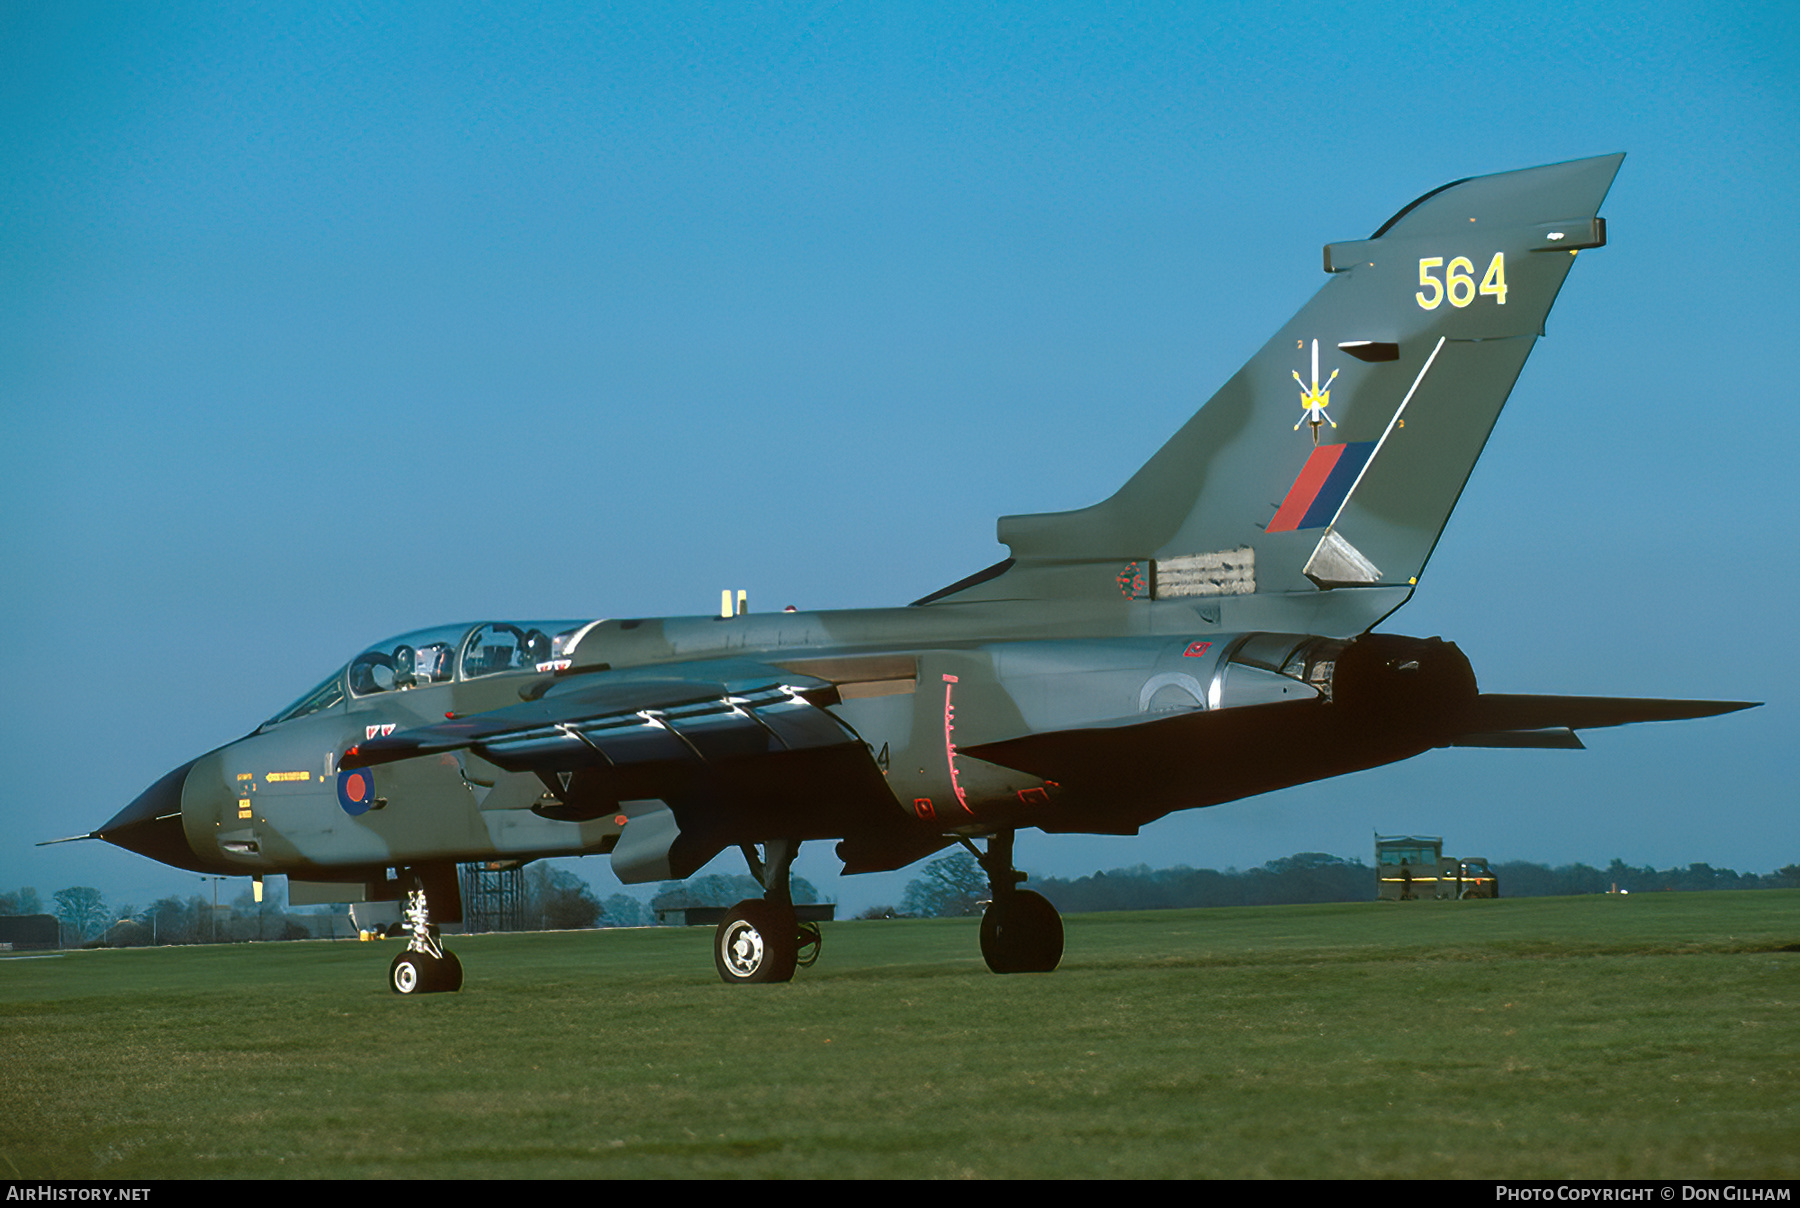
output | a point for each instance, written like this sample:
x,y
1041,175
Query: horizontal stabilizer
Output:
x,y
1208,756
1552,738
1493,714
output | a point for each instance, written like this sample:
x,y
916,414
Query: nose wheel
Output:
x,y
425,967
422,973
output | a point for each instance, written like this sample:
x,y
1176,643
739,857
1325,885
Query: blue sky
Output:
x,y
327,322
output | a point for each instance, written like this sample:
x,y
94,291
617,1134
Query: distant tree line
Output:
x,y
1318,877
1304,877
955,885
952,886
949,886
719,890
1521,879
86,918
555,899
558,900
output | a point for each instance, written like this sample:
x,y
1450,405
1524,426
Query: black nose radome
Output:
x,y
151,825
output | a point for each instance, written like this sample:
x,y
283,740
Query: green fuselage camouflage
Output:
x,y
1203,635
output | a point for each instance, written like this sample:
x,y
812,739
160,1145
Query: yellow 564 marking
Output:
x,y
1458,282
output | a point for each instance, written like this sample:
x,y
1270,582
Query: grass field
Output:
x,y
1654,1035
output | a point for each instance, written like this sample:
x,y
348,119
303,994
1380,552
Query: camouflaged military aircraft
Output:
x,y
1204,635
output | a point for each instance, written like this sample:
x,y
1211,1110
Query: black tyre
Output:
x,y
412,973
1021,933
422,973
757,942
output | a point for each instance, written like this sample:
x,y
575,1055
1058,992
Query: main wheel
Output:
x,y
1021,933
757,942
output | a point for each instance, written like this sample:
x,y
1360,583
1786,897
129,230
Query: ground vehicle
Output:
x,y
1413,867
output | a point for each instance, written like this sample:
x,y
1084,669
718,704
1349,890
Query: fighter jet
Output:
x,y
1204,635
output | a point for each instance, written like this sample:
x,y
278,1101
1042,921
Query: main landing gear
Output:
x,y
760,939
1021,931
425,966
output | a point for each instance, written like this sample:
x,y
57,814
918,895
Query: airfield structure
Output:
x,y
493,895
1412,868
19,932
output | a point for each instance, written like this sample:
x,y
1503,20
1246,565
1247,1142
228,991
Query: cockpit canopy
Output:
x,y
440,655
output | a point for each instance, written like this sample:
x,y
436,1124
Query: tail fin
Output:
x,y
1333,459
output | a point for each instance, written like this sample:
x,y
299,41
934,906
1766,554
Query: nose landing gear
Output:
x,y
425,967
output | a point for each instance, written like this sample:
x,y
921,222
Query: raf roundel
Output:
x,y
356,791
